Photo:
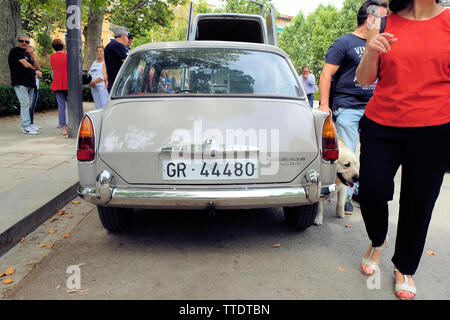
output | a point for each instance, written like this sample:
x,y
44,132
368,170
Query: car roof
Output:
x,y
210,44
226,14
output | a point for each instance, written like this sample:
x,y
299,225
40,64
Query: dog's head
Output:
x,y
347,166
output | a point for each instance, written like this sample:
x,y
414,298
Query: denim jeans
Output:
x,y
25,97
61,98
311,100
347,126
34,104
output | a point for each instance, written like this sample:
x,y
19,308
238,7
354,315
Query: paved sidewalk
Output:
x,y
38,175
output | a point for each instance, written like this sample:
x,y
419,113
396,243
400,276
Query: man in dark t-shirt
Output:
x,y
349,97
115,54
23,69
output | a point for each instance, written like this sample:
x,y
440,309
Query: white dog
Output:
x,y
347,175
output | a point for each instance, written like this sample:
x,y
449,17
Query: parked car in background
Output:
x,y
235,131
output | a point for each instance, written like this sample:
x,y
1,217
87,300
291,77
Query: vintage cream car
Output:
x,y
206,125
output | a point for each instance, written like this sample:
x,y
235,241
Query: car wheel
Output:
x,y
300,217
114,219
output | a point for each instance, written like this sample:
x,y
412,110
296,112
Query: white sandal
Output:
x,y
404,287
374,265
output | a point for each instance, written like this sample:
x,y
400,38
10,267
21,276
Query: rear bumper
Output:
x,y
143,197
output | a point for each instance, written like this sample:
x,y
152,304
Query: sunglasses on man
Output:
x,y
25,41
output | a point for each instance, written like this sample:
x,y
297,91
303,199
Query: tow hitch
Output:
x,y
211,209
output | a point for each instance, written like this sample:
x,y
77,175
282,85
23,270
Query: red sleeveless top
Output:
x,y
413,88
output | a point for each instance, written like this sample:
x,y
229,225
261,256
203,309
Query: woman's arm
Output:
x,y
105,74
377,44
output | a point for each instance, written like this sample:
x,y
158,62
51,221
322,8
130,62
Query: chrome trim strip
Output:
x,y
214,147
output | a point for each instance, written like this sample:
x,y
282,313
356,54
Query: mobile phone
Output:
x,y
383,24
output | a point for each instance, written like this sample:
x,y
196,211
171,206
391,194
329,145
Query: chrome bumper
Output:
x,y
244,198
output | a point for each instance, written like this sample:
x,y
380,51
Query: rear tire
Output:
x,y
301,217
114,219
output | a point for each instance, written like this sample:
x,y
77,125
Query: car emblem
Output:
x,y
209,141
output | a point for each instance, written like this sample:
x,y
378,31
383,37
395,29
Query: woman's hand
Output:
x,y
381,43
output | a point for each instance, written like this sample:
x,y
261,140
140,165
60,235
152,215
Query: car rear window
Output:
x,y
206,72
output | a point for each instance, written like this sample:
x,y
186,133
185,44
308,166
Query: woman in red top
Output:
x,y
406,123
58,61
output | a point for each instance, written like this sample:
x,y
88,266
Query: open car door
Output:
x,y
271,24
191,10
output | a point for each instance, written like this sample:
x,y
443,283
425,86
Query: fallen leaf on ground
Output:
x,y
69,217
50,246
301,274
431,253
341,269
9,271
22,240
75,202
276,245
62,212
42,245
65,235
58,286
83,291
30,263
8,281
73,291
52,231
348,226
69,207
45,255
53,219
2,274
82,264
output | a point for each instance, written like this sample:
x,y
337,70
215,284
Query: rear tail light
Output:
x,y
86,141
330,150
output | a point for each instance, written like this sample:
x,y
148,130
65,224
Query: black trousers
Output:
x,y
423,153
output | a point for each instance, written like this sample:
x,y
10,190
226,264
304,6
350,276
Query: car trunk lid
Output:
x,y
149,140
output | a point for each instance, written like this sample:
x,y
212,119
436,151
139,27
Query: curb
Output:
x,y
10,237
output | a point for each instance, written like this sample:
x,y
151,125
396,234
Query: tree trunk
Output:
x,y
92,36
10,24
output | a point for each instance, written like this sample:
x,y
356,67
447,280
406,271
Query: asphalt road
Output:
x,y
233,255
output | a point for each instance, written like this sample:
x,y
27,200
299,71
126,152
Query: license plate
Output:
x,y
210,170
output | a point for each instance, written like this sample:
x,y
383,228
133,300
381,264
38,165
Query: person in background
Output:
x,y
99,81
309,83
407,124
165,84
115,54
59,85
130,42
350,98
32,53
23,69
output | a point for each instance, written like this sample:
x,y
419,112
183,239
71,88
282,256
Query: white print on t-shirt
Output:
x,y
360,51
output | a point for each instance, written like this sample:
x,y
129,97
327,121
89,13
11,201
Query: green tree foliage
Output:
x,y
42,16
139,16
44,44
244,6
177,30
296,41
307,40
326,30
